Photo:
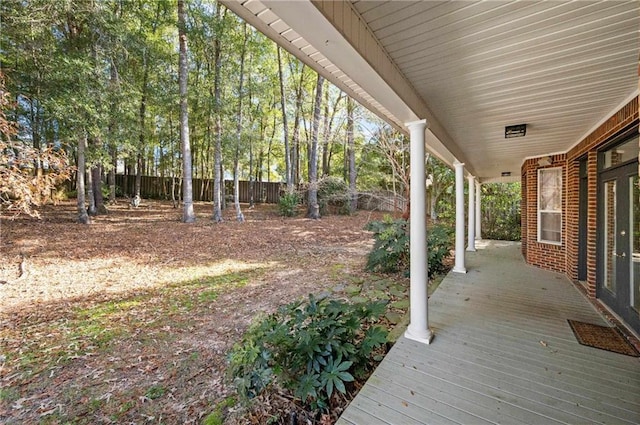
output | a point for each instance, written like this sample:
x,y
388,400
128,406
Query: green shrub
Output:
x,y
439,244
311,349
390,253
288,204
333,196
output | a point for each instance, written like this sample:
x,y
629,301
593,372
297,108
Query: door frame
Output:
x,y
618,302
583,223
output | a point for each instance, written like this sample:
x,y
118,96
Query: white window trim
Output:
x,y
539,211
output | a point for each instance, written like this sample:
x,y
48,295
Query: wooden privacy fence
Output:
x,y
160,188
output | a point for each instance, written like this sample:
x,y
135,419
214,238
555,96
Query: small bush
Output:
x,y
439,244
313,350
390,253
333,196
288,204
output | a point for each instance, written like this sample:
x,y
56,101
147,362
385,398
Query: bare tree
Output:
x,y
188,215
395,148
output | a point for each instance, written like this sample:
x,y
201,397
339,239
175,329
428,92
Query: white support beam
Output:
x,y
478,212
418,328
471,226
459,266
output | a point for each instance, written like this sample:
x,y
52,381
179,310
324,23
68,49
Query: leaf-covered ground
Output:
x,y
128,320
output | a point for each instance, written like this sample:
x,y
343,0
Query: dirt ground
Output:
x,y
128,320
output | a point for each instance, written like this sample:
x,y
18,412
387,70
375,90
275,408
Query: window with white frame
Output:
x,y
550,205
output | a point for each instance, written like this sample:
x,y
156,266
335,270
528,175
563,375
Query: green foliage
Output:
x,y
439,244
501,211
155,392
288,204
333,196
217,416
390,253
312,349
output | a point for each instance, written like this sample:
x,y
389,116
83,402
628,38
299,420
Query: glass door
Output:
x,y
619,256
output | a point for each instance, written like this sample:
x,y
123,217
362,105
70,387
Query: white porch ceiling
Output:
x,y
470,67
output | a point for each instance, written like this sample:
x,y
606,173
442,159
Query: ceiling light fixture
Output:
x,y
515,131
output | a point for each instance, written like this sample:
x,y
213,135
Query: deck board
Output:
x,y
503,353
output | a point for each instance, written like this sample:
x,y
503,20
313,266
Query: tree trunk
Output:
x,y
217,156
353,192
96,172
92,200
325,136
236,159
295,160
112,174
314,208
138,180
96,181
285,127
83,217
188,215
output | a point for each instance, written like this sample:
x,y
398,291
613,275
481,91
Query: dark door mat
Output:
x,y
602,337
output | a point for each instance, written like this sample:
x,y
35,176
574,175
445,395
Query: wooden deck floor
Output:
x,y
504,353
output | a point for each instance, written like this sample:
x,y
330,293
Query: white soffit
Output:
x,y
473,67
558,66
312,39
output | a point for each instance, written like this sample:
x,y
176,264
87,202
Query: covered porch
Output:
x,y
503,353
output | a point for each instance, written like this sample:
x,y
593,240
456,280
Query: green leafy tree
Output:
x,y
501,212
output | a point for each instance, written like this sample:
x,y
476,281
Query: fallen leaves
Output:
x,y
139,299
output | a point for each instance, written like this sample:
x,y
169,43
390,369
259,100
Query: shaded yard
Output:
x,y
129,320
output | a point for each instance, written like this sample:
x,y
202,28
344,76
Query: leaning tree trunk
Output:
x,y
83,217
188,215
314,208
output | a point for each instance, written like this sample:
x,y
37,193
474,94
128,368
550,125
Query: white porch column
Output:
x,y
471,226
459,262
478,213
418,328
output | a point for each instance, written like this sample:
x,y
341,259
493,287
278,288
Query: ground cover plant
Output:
x,y
312,351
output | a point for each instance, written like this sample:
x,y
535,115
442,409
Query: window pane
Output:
x,y
550,226
627,151
610,235
550,190
550,205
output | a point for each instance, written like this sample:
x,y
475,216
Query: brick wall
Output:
x,y
545,255
564,258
